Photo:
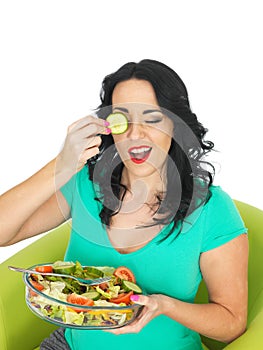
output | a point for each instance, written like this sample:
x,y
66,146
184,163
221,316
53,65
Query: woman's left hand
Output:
x,y
152,308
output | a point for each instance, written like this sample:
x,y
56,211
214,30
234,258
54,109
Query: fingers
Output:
x,y
91,149
135,326
148,313
87,154
91,124
82,143
93,141
140,299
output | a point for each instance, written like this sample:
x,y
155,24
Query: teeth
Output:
x,y
141,150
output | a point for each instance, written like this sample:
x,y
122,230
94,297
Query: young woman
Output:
x,y
143,199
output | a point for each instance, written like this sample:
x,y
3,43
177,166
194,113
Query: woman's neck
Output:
x,y
143,189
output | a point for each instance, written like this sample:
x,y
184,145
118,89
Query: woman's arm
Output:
x,y
224,318
224,271
20,203
36,204
49,215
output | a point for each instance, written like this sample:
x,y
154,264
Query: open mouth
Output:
x,y
139,154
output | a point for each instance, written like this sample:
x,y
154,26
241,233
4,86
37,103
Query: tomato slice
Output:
x,y
44,268
79,300
104,286
124,273
37,285
122,298
32,293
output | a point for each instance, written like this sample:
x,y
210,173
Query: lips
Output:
x,y
139,154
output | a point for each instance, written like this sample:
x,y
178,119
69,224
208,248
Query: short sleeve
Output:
x,y
222,220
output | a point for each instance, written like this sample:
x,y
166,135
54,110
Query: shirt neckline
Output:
x,y
162,232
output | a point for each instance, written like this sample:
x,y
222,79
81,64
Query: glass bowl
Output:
x,y
65,314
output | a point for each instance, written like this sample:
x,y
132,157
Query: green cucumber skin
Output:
x,y
93,271
130,286
67,268
92,295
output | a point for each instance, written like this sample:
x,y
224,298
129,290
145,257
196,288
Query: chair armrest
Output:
x,y
19,327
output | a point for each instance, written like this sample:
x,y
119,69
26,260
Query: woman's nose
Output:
x,y
136,130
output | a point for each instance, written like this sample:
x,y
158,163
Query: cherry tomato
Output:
x,y
122,298
80,300
124,273
44,268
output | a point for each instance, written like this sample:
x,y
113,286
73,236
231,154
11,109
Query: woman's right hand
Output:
x,y
35,201
82,143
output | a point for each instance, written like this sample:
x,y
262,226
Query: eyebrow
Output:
x,y
121,109
144,112
151,111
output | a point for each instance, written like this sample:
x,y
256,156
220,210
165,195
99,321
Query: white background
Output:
x,y
54,55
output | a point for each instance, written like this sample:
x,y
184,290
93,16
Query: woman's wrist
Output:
x,y
166,304
62,174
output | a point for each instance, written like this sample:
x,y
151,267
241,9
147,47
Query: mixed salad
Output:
x,y
65,301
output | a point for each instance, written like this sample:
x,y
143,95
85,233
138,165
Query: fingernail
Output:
x,y
108,130
134,297
106,123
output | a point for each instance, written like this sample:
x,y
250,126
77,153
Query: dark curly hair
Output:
x,y
188,186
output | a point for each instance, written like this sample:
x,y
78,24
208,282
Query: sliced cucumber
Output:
x,y
118,123
93,271
130,286
92,295
67,267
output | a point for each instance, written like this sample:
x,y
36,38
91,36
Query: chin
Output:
x,y
142,170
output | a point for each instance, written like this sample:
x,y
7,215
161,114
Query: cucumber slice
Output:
x,y
93,271
118,123
91,295
130,286
67,267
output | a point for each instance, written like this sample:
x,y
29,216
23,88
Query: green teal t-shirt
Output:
x,y
169,267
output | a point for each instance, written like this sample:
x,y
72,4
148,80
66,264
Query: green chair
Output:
x,y
21,329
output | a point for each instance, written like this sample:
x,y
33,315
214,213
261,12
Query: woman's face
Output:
x,y
144,147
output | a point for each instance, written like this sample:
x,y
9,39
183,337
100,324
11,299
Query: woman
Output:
x,y
144,200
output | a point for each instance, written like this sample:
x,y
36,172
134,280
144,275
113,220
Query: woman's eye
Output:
x,y
153,121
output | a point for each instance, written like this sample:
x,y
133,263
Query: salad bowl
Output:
x,y
66,303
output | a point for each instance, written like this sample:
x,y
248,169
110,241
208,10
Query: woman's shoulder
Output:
x,y
222,219
221,207
218,196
